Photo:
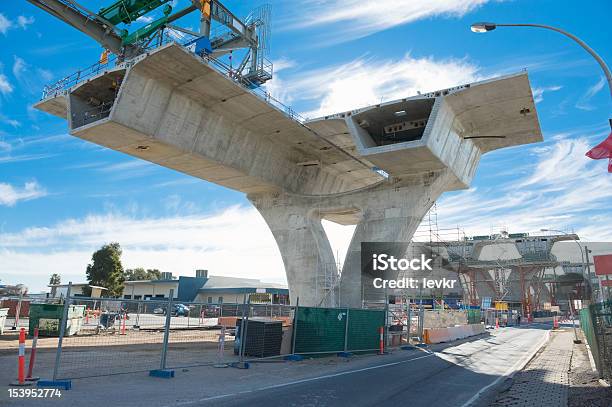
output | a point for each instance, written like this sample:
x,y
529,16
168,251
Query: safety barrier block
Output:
x,y
439,335
55,384
163,373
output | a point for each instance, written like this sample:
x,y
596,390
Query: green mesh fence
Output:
x,y
363,329
322,330
596,323
474,316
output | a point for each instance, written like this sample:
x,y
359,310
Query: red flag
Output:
x,y
602,150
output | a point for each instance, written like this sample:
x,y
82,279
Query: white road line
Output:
x,y
275,386
510,372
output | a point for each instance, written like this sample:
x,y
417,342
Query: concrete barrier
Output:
x,y
439,335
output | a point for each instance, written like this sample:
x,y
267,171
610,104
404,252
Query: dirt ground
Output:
x,y
9,341
585,389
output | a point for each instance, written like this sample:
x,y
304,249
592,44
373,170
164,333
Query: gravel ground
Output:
x,y
585,389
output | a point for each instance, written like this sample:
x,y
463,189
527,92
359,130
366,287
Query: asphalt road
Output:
x,y
450,377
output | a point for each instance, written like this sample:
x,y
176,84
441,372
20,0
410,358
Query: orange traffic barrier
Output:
x,y
32,358
123,323
555,323
496,323
381,330
21,362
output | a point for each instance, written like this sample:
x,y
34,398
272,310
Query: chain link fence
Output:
x,y
100,336
596,323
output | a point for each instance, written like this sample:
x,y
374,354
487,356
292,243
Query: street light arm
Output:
x,y
583,44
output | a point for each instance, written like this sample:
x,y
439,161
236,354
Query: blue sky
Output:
x,y
61,198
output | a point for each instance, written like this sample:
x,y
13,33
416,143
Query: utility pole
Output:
x,y
588,265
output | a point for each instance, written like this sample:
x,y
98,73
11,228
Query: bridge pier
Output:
x,y
389,212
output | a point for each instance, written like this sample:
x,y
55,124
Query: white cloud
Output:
x,y
334,88
584,102
24,157
10,195
19,66
11,122
538,92
234,242
5,85
144,19
283,63
562,189
5,24
358,18
23,21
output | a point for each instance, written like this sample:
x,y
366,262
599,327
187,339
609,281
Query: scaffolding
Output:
x,y
518,268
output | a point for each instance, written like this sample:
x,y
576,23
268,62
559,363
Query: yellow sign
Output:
x,y
260,298
501,306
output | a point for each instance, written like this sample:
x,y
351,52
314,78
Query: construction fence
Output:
x,y
102,336
596,323
90,337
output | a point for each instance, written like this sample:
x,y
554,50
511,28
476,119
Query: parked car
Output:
x,y
178,310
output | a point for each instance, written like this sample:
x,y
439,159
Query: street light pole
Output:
x,y
485,27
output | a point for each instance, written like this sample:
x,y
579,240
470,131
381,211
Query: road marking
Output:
x,y
510,372
311,379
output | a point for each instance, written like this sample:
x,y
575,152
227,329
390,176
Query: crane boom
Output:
x,y
86,22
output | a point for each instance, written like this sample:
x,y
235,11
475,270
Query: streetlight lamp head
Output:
x,y
483,27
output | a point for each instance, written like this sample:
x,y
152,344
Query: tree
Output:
x,y
153,274
140,273
55,279
106,270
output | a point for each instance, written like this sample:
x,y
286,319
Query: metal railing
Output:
x,y
60,87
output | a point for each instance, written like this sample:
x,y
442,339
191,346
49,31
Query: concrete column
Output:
x,y
301,239
386,213
389,215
